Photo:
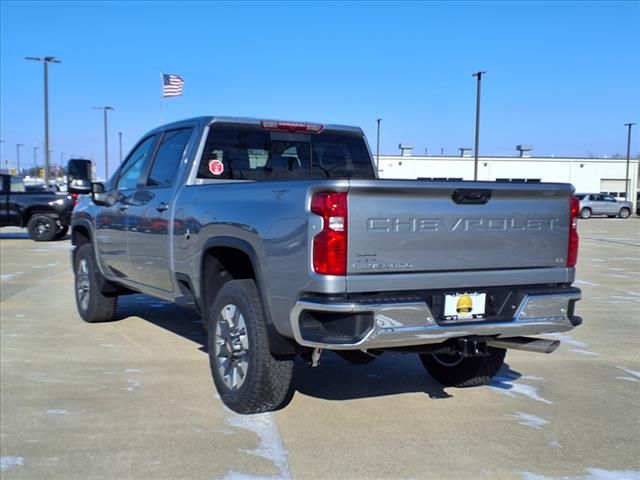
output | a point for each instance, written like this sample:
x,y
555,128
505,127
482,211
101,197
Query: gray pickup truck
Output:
x,y
282,237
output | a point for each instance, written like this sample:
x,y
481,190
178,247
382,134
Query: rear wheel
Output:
x,y
93,305
624,213
585,213
249,378
454,370
42,227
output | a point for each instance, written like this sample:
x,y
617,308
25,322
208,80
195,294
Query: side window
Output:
x,y
167,160
17,186
134,166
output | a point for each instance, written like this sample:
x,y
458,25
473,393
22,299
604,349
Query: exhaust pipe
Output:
x,y
539,345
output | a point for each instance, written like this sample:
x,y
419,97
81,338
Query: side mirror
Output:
x,y
80,186
99,197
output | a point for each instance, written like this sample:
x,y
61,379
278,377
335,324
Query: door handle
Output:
x,y
162,207
122,207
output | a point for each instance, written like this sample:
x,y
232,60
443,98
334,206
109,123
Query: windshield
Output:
x,y
252,153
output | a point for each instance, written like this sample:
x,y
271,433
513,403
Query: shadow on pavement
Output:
x,y
333,379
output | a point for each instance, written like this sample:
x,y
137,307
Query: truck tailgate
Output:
x,y
422,226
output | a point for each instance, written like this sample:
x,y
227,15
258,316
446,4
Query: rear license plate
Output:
x,y
467,306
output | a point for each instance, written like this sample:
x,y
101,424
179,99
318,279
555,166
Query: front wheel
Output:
x,y
42,228
93,305
585,213
454,370
249,378
624,213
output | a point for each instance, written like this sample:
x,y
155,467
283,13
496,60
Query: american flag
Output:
x,y
172,85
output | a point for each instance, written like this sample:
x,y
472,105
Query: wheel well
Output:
x,y
35,210
80,236
221,264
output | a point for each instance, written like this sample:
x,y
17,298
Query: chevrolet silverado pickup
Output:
x,y
281,235
45,215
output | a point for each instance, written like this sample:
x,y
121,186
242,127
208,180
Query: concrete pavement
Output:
x,y
133,399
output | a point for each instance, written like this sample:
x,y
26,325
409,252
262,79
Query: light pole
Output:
x,y
626,177
120,141
475,152
106,139
18,145
46,61
378,120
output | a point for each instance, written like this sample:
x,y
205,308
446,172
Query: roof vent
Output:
x,y
405,149
524,150
465,151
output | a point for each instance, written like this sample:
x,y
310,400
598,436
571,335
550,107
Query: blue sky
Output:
x,y
564,77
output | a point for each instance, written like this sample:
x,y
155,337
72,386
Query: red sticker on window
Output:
x,y
216,167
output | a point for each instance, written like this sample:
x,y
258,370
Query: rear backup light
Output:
x,y
574,240
330,245
292,126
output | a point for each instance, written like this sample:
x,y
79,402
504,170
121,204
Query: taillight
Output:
x,y
572,251
330,245
74,197
292,126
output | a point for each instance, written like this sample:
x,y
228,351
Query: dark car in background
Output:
x,y
43,213
602,204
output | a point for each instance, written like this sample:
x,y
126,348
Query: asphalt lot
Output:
x,y
133,399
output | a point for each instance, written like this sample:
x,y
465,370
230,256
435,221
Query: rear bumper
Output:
x,y
389,324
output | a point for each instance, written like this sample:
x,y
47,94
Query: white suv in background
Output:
x,y
602,204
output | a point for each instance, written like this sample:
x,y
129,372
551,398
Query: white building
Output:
x,y
588,175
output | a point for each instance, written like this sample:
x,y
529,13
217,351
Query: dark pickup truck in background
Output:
x,y
46,215
281,235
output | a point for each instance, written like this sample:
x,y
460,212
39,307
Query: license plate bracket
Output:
x,y
460,307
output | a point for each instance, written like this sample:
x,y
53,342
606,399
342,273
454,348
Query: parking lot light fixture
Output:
x,y
18,145
46,61
626,177
106,139
477,144
378,120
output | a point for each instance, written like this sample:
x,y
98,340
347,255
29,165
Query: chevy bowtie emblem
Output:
x,y
465,304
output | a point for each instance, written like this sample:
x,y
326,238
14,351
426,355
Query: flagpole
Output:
x,y
161,96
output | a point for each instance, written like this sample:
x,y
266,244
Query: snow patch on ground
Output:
x,y
592,474
584,352
554,444
629,371
133,385
58,412
7,277
628,379
585,282
503,383
529,420
270,447
10,462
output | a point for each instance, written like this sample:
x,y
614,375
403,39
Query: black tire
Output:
x,y
457,371
624,213
93,306
249,378
42,227
585,213
61,233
